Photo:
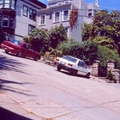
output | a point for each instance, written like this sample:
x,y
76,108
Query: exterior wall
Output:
x,y
49,18
93,8
22,22
76,32
57,5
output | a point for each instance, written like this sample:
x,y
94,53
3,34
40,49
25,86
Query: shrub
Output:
x,y
86,51
104,54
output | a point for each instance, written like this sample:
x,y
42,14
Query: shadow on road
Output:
x,y
5,86
10,64
8,115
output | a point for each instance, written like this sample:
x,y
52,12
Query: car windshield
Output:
x,y
69,58
16,42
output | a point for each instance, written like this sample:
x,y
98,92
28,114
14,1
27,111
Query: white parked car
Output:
x,y
73,65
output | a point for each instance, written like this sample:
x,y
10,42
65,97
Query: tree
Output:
x,y
57,35
40,39
104,24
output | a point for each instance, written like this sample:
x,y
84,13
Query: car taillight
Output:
x,y
57,59
69,64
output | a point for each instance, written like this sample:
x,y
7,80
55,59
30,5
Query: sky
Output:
x,y
104,4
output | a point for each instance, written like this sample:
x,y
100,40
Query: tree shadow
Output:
x,y
9,115
5,86
10,64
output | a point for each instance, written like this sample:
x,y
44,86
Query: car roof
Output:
x,y
73,57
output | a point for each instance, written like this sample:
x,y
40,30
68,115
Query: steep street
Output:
x,y
36,91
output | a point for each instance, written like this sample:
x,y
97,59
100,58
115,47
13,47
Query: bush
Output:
x,y
104,54
86,51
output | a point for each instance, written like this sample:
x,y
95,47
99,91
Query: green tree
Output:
x,y
57,35
40,39
105,24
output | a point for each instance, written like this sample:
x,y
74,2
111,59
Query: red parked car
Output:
x,y
21,49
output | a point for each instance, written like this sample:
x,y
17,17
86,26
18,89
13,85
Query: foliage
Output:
x,y
86,51
104,54
110,76
27,39
73,17
40,39
56,35
104,41
104,24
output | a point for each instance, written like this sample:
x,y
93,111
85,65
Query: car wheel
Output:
x,y
58,68
6,51
36,58
87,75
19,54
73,72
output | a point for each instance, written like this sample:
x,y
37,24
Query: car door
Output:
x,y
25,50
82,69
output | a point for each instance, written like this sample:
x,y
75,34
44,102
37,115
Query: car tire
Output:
x,y
20,54
6,51
73,72
36,58
87,75
58,68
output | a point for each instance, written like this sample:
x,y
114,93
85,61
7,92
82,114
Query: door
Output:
x,y
82,68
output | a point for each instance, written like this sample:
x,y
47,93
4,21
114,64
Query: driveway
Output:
x,y
47,94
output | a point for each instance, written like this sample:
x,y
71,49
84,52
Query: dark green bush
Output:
x,y
104,54
86,51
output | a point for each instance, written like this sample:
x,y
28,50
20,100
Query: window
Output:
x,y
57,17
11,23
80,63
32,14
5,21
25,10
30,28
13,4
42,20
67,30
89,14
65,15
7,4
1,3
89,9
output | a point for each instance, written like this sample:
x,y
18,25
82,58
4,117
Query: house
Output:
x,y
59,12
19,17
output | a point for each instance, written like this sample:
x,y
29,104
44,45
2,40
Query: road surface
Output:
x,y
47,94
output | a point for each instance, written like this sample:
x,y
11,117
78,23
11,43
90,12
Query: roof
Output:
x,y
54,7
38,3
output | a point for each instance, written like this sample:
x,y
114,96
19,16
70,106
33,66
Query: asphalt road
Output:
x,y
47,94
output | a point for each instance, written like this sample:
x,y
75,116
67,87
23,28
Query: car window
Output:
x,y
80,63
84,65
16,42
30,48
69,58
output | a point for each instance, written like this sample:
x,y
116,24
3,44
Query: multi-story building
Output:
x,y
19,17
58,12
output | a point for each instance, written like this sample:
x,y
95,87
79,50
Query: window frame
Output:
x,y
25,12
44,21
30,28
55,20
32,15
63,15
7,19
